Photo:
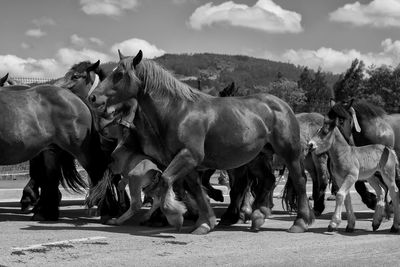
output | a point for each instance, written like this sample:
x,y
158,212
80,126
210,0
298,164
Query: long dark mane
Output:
x,y
366,110
161,83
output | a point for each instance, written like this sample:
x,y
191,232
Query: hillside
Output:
x,y
215,71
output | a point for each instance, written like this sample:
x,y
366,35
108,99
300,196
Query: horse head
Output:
x,y
82,78
120,85
322,141
346,115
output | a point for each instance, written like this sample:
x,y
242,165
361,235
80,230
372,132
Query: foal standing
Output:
x,y
349,164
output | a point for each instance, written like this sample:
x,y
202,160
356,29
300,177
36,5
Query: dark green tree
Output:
x,y
350,83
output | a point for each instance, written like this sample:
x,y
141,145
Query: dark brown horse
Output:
x,y
191,128
54,165
364,123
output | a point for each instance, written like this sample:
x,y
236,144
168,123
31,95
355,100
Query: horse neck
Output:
x,y
339,147
150,128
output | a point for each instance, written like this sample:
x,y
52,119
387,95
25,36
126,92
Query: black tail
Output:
x,y
71,179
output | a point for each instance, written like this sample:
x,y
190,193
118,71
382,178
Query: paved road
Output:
x,y
79,240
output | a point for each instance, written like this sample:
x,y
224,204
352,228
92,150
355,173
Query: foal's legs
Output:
x,y
135,189
351,218
389,178
380,205
344,189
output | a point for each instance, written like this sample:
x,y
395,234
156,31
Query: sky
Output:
x,y
44,38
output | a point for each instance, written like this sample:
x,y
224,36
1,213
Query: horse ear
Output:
x,y
3,80
332,102
137,59
93,67
121,56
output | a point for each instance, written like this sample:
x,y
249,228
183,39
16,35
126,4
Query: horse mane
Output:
x,y
159,82
82,66
366,110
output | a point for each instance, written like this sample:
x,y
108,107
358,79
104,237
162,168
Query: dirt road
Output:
x,y
79,240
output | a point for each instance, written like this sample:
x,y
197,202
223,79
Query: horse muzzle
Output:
x,y
312,146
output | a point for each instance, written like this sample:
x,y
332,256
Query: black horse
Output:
x,y
54,165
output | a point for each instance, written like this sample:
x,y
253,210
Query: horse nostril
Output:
x,y
92,98
311,146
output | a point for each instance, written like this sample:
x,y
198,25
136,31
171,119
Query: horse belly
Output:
x,y
21,137
228,153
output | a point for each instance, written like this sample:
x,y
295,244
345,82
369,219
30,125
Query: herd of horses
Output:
x,y
139,125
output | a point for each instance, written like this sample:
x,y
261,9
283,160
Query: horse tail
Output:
x,y
97,193
70,177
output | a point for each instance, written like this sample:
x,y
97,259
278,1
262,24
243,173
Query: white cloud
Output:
x,y
25,45
37,33
96,41
29,67
49,67
107,7
132,46
81,41
69,56
44,21
265,15
377,13
337,61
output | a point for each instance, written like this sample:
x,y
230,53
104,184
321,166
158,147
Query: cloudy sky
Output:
x,y
43,38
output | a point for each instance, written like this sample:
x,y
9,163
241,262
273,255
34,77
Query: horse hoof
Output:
x,y
299,226
294,229
42,217
241,221
147,205
349,229
257,219
203,229
375,226
331,198
394,230
228,220
27,209
330,228
176,221
317,213
112,221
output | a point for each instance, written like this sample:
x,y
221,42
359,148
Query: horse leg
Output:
x,y
246,208
180,166
367,197
305,216
390,178
266,183
380,205
30,194
207,220
320,181
344,189
50,196
351,218
239,186
215,194
135,190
